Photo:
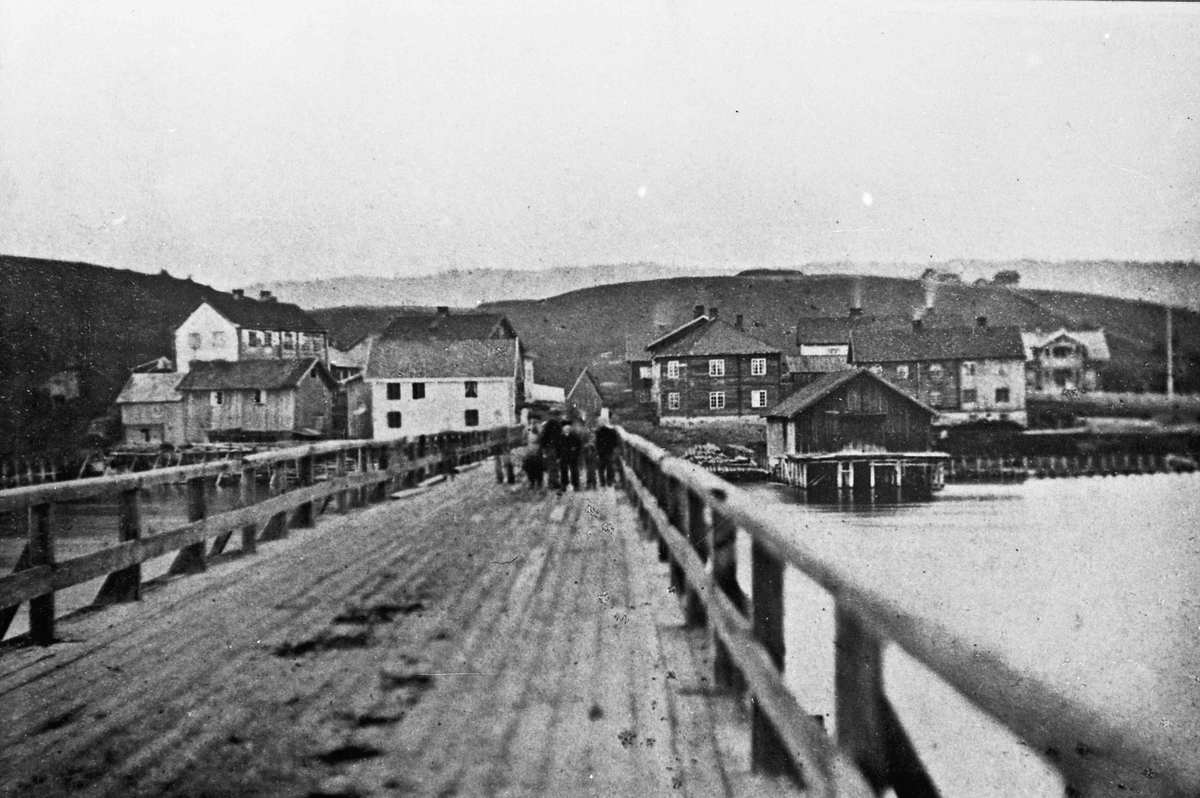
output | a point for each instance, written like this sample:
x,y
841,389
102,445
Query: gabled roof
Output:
x,y
836,329
258,315
872,345
1094,341
704,336
245,375
394,359
150,387
610,380
354,357
449,327
817,390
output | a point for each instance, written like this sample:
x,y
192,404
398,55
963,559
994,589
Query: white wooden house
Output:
x,y
233,327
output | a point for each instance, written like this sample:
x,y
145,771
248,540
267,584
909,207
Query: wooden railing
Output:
x,y
695,517
354,472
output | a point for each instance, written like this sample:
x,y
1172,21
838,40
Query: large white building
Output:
x,y
234,327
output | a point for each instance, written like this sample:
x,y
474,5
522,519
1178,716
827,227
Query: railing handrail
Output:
x,y
1086,742
91,487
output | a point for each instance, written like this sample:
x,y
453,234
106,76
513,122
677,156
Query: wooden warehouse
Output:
x,y
852,434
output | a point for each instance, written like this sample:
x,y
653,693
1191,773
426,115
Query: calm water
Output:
x,y
1092,584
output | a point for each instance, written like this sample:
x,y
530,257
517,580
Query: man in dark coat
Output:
x,y
548,442
570,447
607,442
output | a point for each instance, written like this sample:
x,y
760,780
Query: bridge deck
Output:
x,y
473,640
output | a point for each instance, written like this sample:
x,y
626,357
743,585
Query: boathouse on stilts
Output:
x,y
854,436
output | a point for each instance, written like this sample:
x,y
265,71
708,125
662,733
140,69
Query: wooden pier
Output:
x,y
865,476
481,639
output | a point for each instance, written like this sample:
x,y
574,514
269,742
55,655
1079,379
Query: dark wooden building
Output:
x,y
853,432
709,370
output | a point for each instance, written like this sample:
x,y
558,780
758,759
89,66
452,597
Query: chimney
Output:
x,y
856,312
697,311
239,293
737,321
264,296
917,322
856,298
443,310
712,313
981,321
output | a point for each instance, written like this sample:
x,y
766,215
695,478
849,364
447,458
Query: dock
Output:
x,y
474,639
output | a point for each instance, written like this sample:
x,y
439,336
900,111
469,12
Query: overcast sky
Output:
x,y
255,141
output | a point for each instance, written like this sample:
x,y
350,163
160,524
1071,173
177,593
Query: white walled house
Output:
x,y
233,327
423,387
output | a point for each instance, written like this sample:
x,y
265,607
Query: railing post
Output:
x,y
305,515
723,545
767,752
277,526
190,559
867,727
697,532
247,495
41,552
670,501
340,473
125,584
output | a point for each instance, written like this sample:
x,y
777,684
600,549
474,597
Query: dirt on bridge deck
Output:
x,y
477,639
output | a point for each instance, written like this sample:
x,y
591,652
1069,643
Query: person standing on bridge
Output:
x,y
570,447
607,442
549,442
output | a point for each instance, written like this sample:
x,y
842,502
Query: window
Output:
x,y
145,435
935,371
418,390
258,396
716,400
935,399
1002,395
902,371
758,398
218,398
472,418
672,401
969,368
1062,351
289,340
393,391
672,369
642,396
716,368
251,337
194,340
644,372
877,370
218,339
472,387
758,366
969,396
393,419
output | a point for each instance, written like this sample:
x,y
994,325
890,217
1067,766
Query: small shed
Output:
x,y
852,430
152,409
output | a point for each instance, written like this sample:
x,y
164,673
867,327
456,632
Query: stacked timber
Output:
x,y
732,466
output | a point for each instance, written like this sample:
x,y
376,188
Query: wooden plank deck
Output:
x,y
475,639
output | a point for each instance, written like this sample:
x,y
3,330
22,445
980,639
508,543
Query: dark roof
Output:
x,y
705,336
244,375
826,384
258,315
449,327
952,343
393,358
837,329
611,381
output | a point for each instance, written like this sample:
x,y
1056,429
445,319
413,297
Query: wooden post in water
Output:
x,y
305,513
247,495
41,552
125,584
190,559
767,752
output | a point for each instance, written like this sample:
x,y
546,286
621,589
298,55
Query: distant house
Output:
x,y
850,410
425,387
261,400
601,390
708,370
965,373
854,431
152,409
345,363
233,327
640,373
1064,360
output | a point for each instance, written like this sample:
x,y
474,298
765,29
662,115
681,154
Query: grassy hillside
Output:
x,y
92,321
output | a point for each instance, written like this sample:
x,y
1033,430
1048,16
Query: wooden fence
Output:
x,y
345,472
695,517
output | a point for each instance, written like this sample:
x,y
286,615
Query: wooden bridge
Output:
x,y
475,639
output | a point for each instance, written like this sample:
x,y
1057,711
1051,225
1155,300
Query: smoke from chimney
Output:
x,y
931,288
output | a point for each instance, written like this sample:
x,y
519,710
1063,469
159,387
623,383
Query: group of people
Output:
x,y
563,449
